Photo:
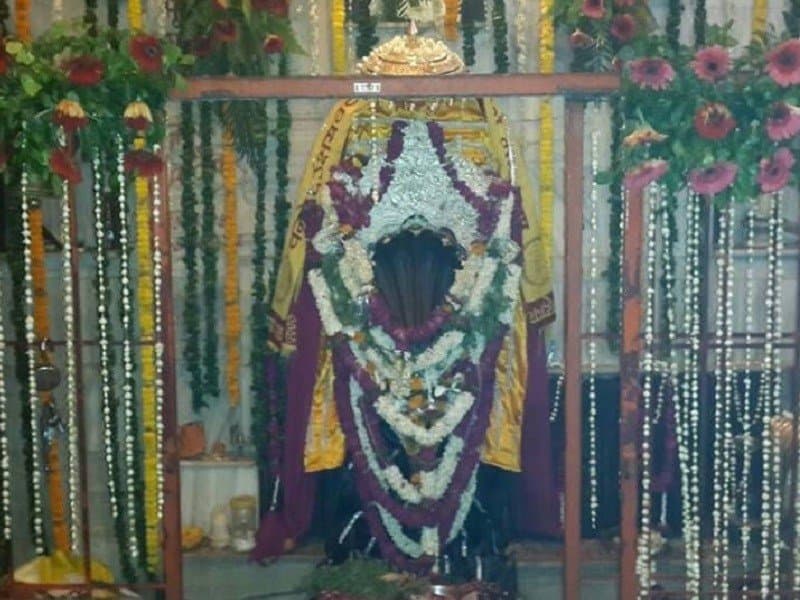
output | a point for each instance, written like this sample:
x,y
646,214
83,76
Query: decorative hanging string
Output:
x,y
699,23
112,14
73,500
366,36
748,383
5,461
90,16
759,20
729,475
521,27
500,36
314,24
189,223
22,20
233,325
37,511
467,34
643,555
592,342
135,15
146,313
546,129
792,18
673,24
209,246
338,39
615,226
158,339
132,467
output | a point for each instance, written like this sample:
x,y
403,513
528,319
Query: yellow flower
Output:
x,y
137,116
641,136
70,115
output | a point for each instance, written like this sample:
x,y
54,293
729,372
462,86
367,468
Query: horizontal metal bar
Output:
x,y
436,86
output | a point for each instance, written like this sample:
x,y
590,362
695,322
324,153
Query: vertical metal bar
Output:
x,y
631,393
83,467
173,558
573,274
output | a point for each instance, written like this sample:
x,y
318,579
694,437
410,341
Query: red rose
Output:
x,y
273,44
143,163
63,165
84,70
225,31
146,50
277,8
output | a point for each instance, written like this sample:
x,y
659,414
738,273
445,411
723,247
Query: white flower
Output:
x,y
330,322
460,404
481,287
355,268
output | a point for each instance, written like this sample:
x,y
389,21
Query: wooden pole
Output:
x,y
573,274
631,394
173,558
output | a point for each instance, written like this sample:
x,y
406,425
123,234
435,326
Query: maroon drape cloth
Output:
x,y
537,508
293,520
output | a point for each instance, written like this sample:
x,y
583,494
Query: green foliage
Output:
x,y
366,36
365,578
500,36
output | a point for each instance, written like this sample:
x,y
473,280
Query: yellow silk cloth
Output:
x,y
65,568
482,134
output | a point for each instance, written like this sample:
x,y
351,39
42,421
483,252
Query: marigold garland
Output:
x,y
135,15
759,19
452,8
547,34
191,307
338,39
208,243
22,20
233,327
146,305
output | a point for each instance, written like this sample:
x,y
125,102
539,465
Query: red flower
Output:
x,y
5,59
277,8
138,116
225,31
143,163
593,9
623,27
579,39
202,46
653,73
64,166
646,173
783,121
84,70
713,121
711,64
783,63
146,50
70,115
712,180
273,44
774,172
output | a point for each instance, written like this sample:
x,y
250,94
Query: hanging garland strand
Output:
x,y
112,14
366,36
107,379
615,216
791,17
468,29
209,254
259,323
233,327
673,25
189,222
22,20
5,13
700,23
135,15
500,37
16,263
90,16
5,462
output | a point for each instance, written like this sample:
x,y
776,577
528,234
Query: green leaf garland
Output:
x,y
210,247
500,36
792,18
5,13
90,16
700,23
112,15
366,36
468,30
189,222
673,25
616,206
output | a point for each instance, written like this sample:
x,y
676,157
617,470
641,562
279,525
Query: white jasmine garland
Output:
x,y
5,466
464,280
511,293
433,484
464,504
330,322
355,268
481,286
459,405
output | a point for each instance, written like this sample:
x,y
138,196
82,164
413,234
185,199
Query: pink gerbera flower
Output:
x,y
711,64
623,28
593,9
783,63
712,180
783,121
646,173
653,73
774,172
